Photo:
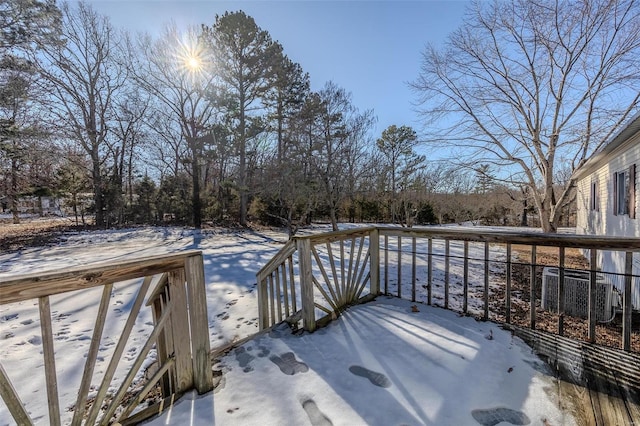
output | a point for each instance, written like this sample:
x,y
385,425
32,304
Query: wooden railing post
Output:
x,y
306,284
199,322
179,328
374,259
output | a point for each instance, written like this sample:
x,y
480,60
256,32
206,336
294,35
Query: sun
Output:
x,y
193,63
192,57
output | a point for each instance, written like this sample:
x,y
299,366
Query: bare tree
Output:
x,y
525,85
83,78
176,70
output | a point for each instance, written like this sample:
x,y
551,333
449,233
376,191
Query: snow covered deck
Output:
x,y
382,363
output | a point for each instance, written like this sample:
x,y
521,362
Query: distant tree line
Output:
x,y
215,124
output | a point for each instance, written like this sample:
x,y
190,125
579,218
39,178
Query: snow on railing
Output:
x,y
168,353
494,275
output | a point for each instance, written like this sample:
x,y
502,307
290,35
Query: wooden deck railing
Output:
x,y
490,274
173,286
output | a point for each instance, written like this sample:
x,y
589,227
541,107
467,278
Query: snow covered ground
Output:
x,y
341,361
380,364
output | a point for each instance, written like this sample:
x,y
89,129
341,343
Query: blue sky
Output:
x,y
370,48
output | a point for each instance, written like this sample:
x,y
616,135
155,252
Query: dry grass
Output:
x,y
33,232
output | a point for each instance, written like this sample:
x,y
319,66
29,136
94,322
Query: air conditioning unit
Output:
x,y
576,293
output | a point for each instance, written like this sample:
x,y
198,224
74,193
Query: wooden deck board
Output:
x,y
598,385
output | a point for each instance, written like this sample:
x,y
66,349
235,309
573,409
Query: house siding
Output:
x,y
603,221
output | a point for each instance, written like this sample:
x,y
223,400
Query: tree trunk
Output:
x,y
14,191
195,174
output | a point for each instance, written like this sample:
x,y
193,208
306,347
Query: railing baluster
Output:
x,y
374,265
626,302
485,294
429,270
87,375
400,267
10,397
413,269
327,281
117,353
272,300
386,264
49,360
334,274
561,258
131,374
342,289
592,295
532,289
465,279
508,290
283,271
446,273
278,295
292,281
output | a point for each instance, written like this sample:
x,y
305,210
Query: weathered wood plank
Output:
x,y
278,299
10,398
413,269
135,367
386,264
33,286
285,292
327,281
178,325
199,323
117,353
306,284
49,361
374,268
285,252
87,375
292,281
153,380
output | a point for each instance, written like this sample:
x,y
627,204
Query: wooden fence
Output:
x,y
486,273
173,286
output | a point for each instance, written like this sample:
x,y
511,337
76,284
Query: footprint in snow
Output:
x,y
494,416
374,377
244,358
288,363
316,416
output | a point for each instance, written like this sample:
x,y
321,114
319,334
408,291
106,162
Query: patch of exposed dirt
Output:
x,y
609,334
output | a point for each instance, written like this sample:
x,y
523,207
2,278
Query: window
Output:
x,y
595,196
624,191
